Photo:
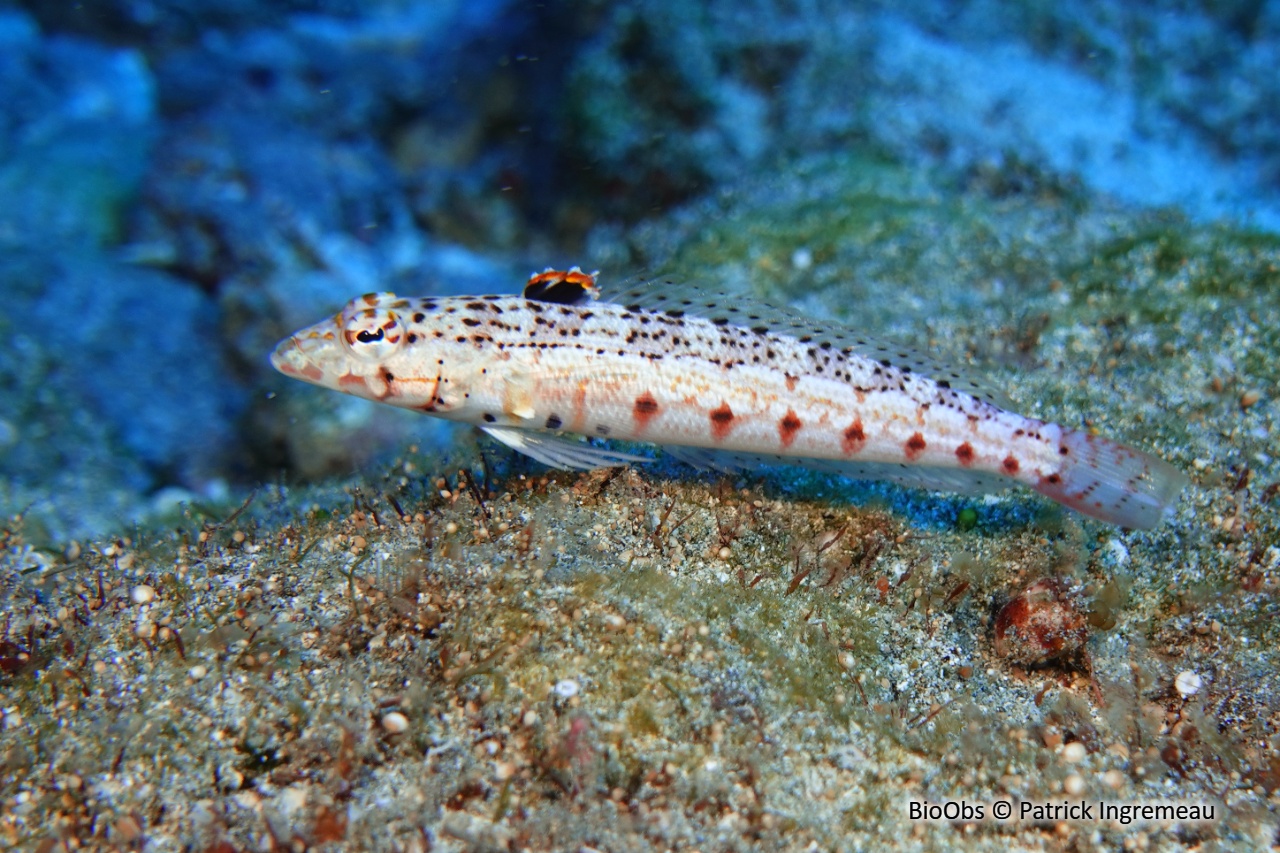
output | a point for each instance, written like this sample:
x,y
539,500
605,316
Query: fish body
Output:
x,y
697,371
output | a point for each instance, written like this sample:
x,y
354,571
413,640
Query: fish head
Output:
x,y
375,349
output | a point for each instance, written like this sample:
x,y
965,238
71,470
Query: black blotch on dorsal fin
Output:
x,y
561,288
559,292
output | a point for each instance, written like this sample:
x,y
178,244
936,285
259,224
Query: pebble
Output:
x,y
1039,624
292,799
143,594
395,723
1073,753
128,829
1188,684
1073,785
566,689
198,671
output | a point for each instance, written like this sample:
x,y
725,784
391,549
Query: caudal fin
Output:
x,y
1106,480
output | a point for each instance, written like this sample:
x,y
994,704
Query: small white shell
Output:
x,y
1188,684
395,723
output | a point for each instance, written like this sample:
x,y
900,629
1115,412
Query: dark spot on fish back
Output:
x,y
788,427
721,421
854,437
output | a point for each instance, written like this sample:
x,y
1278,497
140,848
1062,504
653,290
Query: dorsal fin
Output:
x,y
677,298
563,287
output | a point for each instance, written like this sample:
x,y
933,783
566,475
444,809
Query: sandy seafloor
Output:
x,y
656,658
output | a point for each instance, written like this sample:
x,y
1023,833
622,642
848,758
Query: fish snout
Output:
x,y
296,356
280,355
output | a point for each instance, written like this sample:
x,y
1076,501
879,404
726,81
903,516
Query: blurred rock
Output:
x,y
233,194
665,100
76,123
136,347
1039,624
112,379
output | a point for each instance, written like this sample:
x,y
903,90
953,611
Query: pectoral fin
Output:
x,y
558,452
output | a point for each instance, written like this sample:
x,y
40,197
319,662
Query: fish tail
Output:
x,y
1109,481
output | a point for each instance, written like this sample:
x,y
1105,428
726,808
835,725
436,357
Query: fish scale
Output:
x,y
707,373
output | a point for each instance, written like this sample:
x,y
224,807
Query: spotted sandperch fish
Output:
x,y
717,381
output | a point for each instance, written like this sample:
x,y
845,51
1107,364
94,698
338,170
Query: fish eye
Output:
x,y
372,333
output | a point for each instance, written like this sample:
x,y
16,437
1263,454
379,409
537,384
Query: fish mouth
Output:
x,y
296,356
281,354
